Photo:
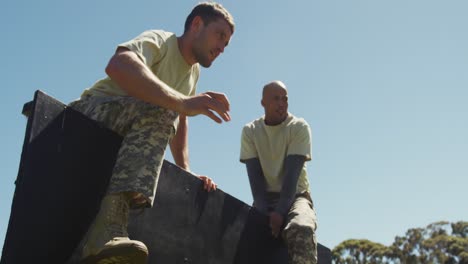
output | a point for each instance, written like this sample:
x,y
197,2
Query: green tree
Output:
x,y
407,249
460,229
438,243
354,251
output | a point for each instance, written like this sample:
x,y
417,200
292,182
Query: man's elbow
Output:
x,y
116,63
113,67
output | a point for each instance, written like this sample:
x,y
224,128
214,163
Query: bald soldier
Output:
x,y
275,148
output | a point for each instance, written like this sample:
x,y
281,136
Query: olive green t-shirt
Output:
x,y
272,144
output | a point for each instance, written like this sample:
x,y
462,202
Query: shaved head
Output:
x,y
272,86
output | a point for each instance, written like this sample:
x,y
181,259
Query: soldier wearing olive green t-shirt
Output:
x,y
275,148
146,98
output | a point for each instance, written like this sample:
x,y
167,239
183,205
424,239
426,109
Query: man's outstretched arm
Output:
x,y
134,77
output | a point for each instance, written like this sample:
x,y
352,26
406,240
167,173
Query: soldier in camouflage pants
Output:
x,y
274,149
147,130
151,79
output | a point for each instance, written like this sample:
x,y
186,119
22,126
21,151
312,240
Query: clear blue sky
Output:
x,y
383,84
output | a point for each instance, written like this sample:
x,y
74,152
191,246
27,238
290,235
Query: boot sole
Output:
x,y
124,255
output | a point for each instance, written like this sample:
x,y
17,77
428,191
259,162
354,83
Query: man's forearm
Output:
x,y
179,144
292,166
257,184
135,78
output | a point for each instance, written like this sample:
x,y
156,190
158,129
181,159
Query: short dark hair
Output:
x,y
209,12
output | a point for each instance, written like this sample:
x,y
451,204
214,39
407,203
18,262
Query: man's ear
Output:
x,y
197,24
263,104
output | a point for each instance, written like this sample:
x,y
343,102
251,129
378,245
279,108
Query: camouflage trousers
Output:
x,y
146,131
299,230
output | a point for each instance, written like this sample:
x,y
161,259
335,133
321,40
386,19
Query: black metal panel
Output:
x,y
188,224
257,245
65,167
63,174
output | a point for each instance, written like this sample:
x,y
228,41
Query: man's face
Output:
x,y
210,41
275,102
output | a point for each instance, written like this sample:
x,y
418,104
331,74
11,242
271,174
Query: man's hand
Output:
x,y
276,221
207,104
208,184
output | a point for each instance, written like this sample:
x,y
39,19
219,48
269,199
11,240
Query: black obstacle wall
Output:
x,y
65,166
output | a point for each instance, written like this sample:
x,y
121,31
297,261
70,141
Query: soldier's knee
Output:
x,y
295,230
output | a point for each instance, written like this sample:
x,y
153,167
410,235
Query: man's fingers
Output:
x,y
211,186
213,116
213,105
208,184
275,234
220,97
219,108
276,221
274,231
220,104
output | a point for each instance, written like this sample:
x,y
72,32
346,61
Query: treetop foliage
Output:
x,y
440,242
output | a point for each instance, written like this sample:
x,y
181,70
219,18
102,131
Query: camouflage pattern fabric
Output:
x,y
299,232
146,131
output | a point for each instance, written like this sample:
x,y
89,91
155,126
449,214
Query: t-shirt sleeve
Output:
x,y
301,141
193,91
196,76
248,150
149,46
